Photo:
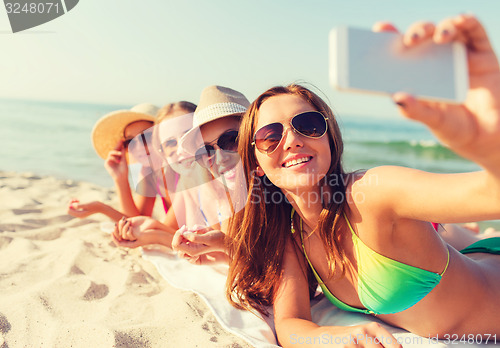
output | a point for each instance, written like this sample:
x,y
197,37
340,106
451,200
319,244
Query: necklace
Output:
x,y
301,228
292,226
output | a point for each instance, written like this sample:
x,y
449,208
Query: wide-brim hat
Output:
x,y
109,129
215,102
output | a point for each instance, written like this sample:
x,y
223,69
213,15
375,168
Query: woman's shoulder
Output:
x,y
374,177
368,188
362,179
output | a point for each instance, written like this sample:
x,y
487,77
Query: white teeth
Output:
x,y
296,161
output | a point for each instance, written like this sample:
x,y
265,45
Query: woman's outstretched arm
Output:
x,y
83,210
140,231
471,129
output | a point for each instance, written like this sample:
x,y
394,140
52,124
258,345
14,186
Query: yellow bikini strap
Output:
x,y
447,262
354,234
349,224
292,227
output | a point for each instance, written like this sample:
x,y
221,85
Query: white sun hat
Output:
x,y
215,102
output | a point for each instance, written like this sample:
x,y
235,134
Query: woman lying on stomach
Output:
x,y
364,236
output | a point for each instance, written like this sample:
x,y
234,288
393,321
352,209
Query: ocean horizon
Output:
x,y
53,138
47,138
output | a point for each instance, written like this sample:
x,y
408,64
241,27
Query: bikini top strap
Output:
x,y
320,281
447,262
292,228
356,236
349,224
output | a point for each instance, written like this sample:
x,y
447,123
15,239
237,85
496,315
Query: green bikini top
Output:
x,y
385,285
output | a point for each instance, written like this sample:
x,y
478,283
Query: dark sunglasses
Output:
x,y
311,124
228,141
138,139
168,144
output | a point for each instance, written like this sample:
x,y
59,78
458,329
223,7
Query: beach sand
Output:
x,y
63,283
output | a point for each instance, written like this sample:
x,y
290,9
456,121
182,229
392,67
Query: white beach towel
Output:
x,y
208,282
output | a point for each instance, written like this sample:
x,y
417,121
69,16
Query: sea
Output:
x,y
53,138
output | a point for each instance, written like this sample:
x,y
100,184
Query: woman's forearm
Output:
x,y
493,189
295,332
126,199
111,212
159,236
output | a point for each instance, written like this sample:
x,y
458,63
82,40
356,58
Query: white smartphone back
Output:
x,y
362,60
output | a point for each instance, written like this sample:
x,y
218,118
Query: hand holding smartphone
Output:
x,y
362,60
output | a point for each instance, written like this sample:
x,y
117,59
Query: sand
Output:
x,y
63,283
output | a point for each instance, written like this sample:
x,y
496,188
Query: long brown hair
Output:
x,y
258,234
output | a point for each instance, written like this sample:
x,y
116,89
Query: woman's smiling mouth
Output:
x,y
296,161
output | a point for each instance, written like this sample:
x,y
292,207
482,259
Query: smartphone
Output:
x,y
362,60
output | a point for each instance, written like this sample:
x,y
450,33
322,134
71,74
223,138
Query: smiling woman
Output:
x,y
306,124
205,198
115,136
372,252
280,104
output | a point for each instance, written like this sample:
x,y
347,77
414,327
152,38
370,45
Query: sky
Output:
x,y
132,51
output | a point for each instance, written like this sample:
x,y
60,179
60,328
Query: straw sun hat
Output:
x,y
215,102
110,128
